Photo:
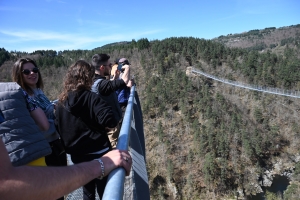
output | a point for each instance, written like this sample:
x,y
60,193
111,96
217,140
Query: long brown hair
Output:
x,y
79,77
18,77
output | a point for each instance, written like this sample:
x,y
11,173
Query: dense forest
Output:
x,y
204,139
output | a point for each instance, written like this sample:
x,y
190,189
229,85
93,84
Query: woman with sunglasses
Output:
x,y
26,73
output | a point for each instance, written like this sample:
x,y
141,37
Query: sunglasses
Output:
x,y
27,71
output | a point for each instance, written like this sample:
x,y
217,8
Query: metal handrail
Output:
x,y
115,184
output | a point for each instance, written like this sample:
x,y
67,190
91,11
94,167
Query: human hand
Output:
x,y
117,158
116,74
130,83
125,67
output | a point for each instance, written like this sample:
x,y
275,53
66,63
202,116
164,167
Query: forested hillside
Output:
x,y
270,38
204,139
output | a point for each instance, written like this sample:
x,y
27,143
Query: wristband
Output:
x,y
102,168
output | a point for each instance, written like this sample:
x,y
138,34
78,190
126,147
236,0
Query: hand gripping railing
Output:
x,y
115,184
136,185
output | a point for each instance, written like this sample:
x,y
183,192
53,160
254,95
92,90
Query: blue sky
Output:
x,y
29,25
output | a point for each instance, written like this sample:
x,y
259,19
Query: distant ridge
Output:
x,y
112,44
267,38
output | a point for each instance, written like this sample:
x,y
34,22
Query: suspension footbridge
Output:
x,y
277,91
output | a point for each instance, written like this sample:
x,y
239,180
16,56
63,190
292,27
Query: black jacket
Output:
x,y
106,87
81,122
106,90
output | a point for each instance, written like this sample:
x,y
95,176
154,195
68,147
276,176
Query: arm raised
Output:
x,y
126,74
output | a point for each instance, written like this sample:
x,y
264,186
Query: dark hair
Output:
x,y
79,77
117,61
125,62
18,77
99,59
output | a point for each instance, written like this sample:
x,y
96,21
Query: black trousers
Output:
x,y
58,156
89,188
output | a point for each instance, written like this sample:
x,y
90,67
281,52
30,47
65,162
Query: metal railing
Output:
x,y
115,184
131,138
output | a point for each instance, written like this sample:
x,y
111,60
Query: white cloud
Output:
x,y
31,40
32,35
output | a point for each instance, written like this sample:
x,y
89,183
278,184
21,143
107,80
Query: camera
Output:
x,y
120,67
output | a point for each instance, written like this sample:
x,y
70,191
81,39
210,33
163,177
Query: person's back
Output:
x,y
29,143
106,90
81,119
110,98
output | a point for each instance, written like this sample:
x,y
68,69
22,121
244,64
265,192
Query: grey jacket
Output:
x,y
22,138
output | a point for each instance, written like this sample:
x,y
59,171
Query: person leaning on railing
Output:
x,y
81,119
107,88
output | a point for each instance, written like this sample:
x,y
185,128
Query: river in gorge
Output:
x,y
279,184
